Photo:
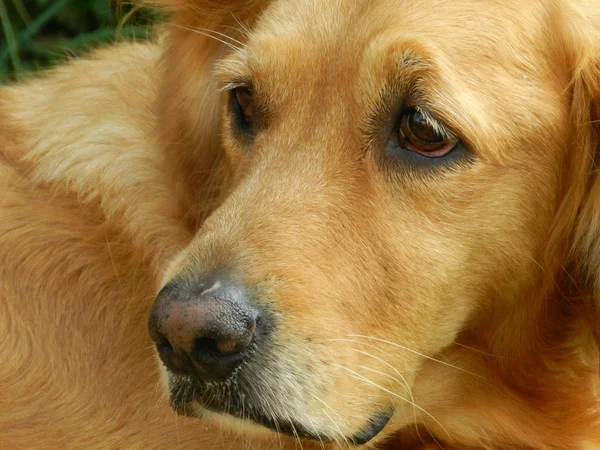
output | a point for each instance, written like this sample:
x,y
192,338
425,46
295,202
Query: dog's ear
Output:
x,y
206,12
195,35
584,171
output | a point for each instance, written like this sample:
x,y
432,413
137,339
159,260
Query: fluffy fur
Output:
x,y
465,298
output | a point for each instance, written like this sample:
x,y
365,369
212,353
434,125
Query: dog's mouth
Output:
x,y
188,398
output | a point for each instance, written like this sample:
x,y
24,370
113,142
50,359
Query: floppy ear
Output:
x,y
204,8
585,171
196,34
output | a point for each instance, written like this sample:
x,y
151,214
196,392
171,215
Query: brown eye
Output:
x,y
420,135
244,103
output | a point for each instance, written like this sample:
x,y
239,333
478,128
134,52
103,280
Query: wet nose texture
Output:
x,y
206,332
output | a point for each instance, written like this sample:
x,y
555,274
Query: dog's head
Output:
x,y
396,180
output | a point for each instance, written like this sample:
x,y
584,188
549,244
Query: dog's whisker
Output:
x,y
277,429
393,394
295,432
335,438
243,28
208,30
237,435
369,369
393,344
208,35
355,341
334,423
224,35
485,353
319,437
402,380
238,30
267,407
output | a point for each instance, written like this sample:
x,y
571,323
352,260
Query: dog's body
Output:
x,y
109,167
62,252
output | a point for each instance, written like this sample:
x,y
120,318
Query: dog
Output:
x,y
370,223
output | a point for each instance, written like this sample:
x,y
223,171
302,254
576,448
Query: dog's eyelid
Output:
x,y
236,83
437,124
455,120
451,123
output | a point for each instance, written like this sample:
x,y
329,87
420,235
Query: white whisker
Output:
x,y
366,380
208,30
208,35
335,424
416,353
403,381
243,28
486,353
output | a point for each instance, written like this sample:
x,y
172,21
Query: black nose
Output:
x,y
205,332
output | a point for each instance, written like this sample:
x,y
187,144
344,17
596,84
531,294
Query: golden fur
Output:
x,y
467,299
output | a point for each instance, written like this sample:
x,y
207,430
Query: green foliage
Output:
x,y
40,33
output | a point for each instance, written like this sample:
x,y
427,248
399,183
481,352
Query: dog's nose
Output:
x,y
206,332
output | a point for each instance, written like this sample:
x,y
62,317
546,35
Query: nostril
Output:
x,y
207,346
163,345
228,347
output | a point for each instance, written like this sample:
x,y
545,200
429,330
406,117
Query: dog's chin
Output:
x,y
195,411
232,409
225,404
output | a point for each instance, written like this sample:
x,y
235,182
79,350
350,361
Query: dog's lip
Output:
x,y
288,427
293,429
375,426
193,407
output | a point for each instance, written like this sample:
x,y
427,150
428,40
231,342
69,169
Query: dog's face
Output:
x,y
395,172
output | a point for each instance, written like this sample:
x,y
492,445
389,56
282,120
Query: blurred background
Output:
x,y
36,34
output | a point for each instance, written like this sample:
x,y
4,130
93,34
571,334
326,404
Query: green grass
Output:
x,y
37,34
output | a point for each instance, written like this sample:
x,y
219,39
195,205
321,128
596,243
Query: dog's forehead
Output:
x,y
318,42
338,28
483,58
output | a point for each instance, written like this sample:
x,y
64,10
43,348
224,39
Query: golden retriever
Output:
x,y
370,223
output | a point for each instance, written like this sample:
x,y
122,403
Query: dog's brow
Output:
x,y
236,83
412,74
232,71
409,60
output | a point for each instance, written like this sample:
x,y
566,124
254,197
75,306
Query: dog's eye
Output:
x,y
422,135
242,97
